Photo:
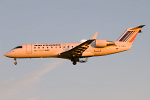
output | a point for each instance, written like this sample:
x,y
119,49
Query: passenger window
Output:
x,y
43,47
38,47
51,47
34,47
47,47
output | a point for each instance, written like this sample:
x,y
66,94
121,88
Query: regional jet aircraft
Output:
x,y
75,51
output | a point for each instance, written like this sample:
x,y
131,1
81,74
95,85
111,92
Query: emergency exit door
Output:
x,y
29,48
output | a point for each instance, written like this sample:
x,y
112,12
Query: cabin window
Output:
x,y
60,47
34,47
51,47
47,47
38,47
72,46
43,47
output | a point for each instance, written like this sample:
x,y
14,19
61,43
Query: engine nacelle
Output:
x,y
103,43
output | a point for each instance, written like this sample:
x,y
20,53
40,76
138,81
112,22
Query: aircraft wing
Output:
x,y
78,50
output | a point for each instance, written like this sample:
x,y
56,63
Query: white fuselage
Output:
x,y
74,51
53,50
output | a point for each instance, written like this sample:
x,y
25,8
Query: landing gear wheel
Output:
x,y
15,63
74,62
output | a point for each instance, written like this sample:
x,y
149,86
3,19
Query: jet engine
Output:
x,y
103,43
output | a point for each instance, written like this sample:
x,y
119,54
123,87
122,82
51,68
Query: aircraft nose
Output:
x,y
7,54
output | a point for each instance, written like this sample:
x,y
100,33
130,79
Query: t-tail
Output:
x,y
130,34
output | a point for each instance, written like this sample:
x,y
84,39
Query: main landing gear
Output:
x,y
74,60
15,61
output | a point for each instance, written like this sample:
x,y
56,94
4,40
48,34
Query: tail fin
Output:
x,y
130,34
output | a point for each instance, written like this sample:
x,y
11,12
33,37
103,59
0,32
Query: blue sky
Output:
x,y
113,77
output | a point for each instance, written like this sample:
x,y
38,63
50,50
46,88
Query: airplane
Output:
x,y
76,51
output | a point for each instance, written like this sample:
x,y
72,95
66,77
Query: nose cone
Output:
x,y
8,54
5,54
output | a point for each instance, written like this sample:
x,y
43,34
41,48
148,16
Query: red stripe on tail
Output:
x,y
133,38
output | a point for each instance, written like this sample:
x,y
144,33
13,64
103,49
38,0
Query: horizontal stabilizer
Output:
x,y
138,27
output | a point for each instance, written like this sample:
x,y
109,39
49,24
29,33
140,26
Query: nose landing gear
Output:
x,y
15,61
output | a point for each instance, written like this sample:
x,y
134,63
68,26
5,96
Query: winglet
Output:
x,y
94,37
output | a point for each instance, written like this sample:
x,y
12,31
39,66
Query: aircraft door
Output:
x,y
29,48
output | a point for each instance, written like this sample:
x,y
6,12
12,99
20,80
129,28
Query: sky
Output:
x,y
121,76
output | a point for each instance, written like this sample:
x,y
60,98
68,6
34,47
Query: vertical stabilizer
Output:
x,y
130,34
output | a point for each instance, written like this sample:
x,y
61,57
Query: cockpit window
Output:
x,y
18,47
